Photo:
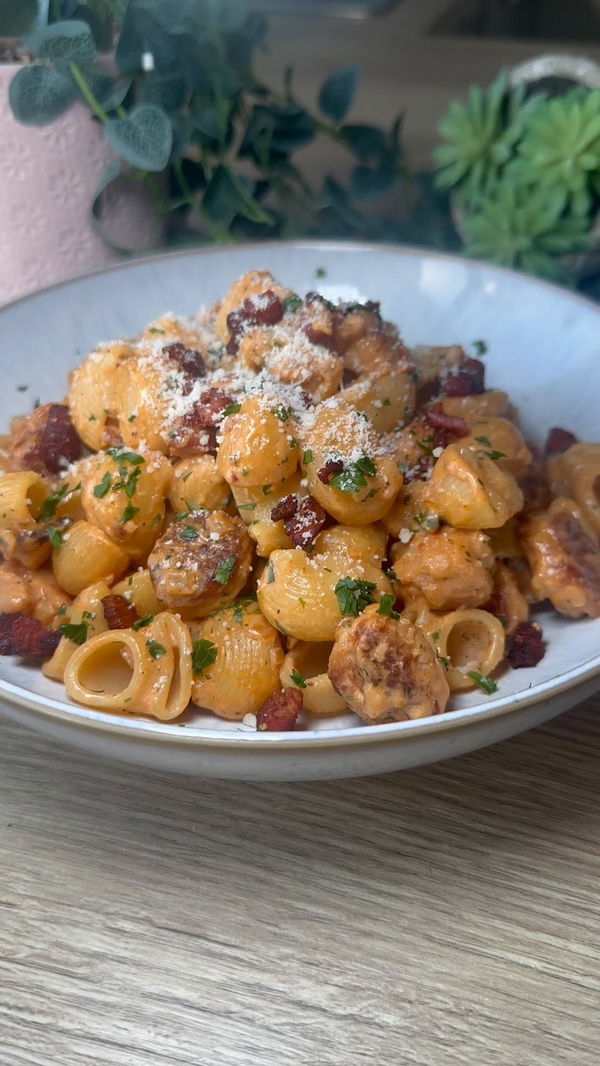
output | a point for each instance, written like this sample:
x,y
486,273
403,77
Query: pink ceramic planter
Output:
x,y
48,176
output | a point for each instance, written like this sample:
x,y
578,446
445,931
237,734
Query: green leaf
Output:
x,y
386,605
337,92
298,679
75,631
70,40
37,95
204,653
143,622
143,139
367,182
224,570
102,488
486,684
155,649
368,143
352,477
109,92
353,596
49,505
121,455
227,195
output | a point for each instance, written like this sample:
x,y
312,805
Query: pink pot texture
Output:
x,y
48,178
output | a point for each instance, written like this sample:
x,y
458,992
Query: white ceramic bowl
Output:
x,y
544,348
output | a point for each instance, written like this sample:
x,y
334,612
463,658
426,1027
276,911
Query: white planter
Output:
x,y
48,177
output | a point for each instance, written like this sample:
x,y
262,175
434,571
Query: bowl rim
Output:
x,y
134,730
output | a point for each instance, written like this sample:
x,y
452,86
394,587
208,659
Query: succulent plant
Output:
x,y
480,138
520,226
560,151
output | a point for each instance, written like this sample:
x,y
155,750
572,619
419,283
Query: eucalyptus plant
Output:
x,y
185,113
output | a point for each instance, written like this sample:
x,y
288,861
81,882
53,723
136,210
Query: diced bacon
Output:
x,y
280,712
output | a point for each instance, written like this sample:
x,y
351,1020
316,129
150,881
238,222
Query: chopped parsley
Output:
x,y
353,596
320,272
386,605
75,631
238,613
386,402
225,570
155,329
266,489
204,653
270,572
102,488
443,660
22,388
307,457
352,478
425,445
486,684
54,536
155,649
281,412
231,409
188,533
427,520
143,622
485,441
298,679
480,347
291,303
495,455
391,575
129,513
246,506
122,456
62,609
49,505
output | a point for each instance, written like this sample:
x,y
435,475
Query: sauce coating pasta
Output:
x,y
277,503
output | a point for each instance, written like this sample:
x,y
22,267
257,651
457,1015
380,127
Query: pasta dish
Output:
x,y
276,507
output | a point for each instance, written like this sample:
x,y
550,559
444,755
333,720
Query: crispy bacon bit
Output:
x,y
468,382
260,309
46,441
195,433
329,470
304,526
279,713
303,519
119,612
187,359
285,508
452,425
25,636
527,646
60,443
559,440
320,337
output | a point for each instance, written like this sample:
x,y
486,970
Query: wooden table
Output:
x,y
441,916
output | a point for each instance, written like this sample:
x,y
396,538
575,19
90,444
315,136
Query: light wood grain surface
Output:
x,y
446,916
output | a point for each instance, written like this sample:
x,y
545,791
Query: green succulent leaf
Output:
x,y
39,94
479,139
520,227
143,139
560,150
337,93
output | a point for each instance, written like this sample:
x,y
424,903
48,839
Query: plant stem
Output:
x,y
87,93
